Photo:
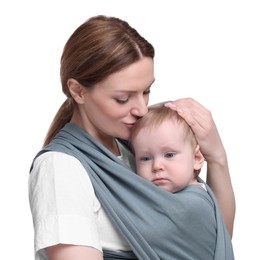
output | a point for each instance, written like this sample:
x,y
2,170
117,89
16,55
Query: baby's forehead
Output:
x,y
166,126
179,127
173,122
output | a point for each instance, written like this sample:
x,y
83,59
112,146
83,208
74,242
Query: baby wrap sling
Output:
x,y
157,224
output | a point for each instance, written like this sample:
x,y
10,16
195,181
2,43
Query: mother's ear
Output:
x,y
199,159
76,90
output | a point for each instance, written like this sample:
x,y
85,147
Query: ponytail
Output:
x,y
62,117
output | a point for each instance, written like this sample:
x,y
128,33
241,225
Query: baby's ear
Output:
x,y
199,159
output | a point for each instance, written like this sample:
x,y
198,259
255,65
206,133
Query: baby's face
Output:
x,y
164,156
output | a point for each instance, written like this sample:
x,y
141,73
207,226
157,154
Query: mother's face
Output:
x,y
113,106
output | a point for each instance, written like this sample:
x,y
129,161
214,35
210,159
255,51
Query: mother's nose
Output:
x,y
140,108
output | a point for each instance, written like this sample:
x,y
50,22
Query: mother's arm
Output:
x,y
73,252
218,178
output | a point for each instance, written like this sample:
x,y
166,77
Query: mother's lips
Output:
x,y
130,125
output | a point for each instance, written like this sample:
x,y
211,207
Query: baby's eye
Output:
x,y
170,155
145,158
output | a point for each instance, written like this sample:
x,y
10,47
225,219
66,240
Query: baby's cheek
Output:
x,y
143,170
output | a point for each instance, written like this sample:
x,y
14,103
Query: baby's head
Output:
x,y
163,129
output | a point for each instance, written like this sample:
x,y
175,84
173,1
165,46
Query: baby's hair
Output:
x,y
156,115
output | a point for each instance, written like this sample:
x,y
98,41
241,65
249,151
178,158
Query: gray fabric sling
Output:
x,y
157,224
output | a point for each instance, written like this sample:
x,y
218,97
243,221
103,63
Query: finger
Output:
x,y
192,111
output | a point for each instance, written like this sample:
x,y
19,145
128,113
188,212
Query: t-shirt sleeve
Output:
x,y
62,202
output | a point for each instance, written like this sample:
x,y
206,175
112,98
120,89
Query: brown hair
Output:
x,y
156,115
99,47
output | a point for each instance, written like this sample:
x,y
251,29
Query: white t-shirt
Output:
x,y
65,208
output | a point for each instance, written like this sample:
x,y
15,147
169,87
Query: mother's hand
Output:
x,y
201,122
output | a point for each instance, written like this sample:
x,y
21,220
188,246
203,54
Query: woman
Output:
x,y
106,74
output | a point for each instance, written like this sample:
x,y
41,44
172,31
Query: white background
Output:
x,y
208,50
